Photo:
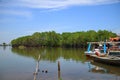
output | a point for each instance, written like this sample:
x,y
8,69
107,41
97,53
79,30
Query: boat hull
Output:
x,y
115,61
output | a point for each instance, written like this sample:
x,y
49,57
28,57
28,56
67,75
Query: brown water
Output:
x,y
20,64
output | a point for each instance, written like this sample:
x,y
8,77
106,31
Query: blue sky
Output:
x,y
24,17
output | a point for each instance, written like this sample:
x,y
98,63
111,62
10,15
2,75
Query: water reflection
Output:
x,y
4,47
51,54
21,64
103,68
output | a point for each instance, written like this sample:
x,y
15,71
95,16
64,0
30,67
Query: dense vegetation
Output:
x,y
66,39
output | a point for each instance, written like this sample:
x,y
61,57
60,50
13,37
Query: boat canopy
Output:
x,y
103,42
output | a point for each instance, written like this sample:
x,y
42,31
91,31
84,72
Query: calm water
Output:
x,y
20,64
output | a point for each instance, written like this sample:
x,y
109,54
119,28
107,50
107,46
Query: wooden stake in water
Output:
x,y
37,68
58,65
59,70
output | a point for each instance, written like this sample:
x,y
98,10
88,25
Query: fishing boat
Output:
x,y
108,53
104,57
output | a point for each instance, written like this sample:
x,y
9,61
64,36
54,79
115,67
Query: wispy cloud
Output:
x,y
17,7
16,12
54,4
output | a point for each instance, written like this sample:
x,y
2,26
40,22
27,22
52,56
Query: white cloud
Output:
x,y
16,12
53,4
16,7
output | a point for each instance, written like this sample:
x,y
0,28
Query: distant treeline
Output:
x,y
66,39
4,44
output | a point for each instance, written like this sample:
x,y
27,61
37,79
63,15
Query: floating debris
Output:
x,y
46,71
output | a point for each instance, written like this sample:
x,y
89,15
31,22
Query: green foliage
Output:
x,y
66,39
104,35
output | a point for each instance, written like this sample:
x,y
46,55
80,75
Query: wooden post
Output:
x,y
59,75
58,65
59,70
37,68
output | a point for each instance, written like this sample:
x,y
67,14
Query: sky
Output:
x,y
24,17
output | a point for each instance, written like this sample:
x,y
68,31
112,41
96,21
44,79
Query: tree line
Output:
x,y
66,39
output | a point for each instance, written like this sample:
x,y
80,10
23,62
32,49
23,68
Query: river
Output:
x,y
23,64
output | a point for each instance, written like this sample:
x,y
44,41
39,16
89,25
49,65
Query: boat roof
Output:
x,y
103,42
